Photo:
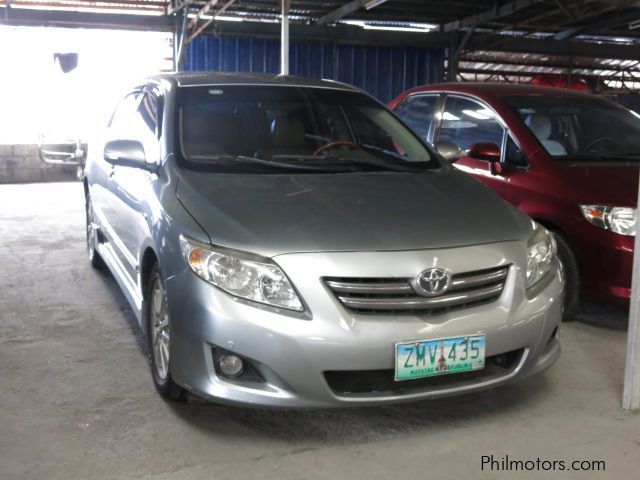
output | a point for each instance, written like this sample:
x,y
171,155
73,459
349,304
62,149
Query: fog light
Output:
x,y
230,365
503,360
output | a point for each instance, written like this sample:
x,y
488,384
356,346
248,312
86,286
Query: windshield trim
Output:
x,y
258,84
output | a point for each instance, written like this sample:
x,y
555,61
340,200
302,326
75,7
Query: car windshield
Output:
x,y
271,129
580,128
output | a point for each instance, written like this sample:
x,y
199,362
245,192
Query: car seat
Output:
x,y
287,137
540,125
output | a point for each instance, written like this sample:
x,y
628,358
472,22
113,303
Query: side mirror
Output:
x,y
126,153
489,152
449,150
66,61
61,152
484,151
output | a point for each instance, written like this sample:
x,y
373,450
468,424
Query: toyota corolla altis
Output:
x,y
289,242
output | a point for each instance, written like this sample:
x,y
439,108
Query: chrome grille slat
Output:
x,y
412,303
396,296
480,279
362,287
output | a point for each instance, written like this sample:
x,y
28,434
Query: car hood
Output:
x,y
276,214
604,183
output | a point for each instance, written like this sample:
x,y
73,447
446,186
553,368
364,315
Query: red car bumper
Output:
x,y
605,260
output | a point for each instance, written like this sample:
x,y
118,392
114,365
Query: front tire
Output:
x,y
572,278
156,311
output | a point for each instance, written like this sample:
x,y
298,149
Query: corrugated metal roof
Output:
x,y
596,21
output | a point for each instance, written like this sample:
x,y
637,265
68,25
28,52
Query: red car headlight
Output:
x,y
621,220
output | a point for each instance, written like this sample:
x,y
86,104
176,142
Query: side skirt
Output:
x,y
127,285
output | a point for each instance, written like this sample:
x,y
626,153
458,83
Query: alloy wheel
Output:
x,y
159,329
91,233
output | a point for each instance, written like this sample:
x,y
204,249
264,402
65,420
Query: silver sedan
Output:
x,y
288,242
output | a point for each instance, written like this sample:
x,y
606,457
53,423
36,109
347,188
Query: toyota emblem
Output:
x,y
433,282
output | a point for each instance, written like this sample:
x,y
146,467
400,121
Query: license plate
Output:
x,y
428,358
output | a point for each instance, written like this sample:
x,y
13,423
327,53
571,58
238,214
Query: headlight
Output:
x,y
541,251
620,220
241,274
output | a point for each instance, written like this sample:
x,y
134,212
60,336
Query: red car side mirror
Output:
x,y
489,152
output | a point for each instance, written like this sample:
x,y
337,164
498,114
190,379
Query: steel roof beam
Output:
x,y
551,47
175,6
203,11
343,33
489,15
558,62
193,25
347,9
602,24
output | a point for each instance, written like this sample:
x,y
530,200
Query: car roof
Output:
x,y
191,79
496,89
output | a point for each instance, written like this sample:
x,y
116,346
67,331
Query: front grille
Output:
x,y
354,382
393,296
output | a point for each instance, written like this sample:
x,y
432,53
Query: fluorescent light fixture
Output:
x,y
403,27
394,29
80,9
225,18
373,3
221,18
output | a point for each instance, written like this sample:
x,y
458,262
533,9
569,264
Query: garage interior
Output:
x,y
76,402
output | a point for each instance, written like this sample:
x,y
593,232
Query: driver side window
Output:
x,y
514,155
465,122
123,117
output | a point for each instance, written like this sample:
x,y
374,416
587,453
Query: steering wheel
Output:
x,y
596,142
336,143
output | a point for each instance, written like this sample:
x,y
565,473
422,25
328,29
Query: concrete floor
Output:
x,y
77,402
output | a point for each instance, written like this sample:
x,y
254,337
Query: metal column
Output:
x,y
631,395
284,38
179,36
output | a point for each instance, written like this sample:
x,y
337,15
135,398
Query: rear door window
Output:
x,y
418,111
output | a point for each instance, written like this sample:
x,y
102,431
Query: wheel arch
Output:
x,y
550,225
555,228
149,259
573,281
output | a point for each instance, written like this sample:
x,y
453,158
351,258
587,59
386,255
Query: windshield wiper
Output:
x,y
269,163
342,160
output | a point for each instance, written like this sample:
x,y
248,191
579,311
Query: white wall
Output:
x,y
35,96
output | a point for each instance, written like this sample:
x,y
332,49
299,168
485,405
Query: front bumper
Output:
x,y
293,353
605,260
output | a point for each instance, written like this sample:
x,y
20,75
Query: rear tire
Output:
x,y
572,278
156,311
92,238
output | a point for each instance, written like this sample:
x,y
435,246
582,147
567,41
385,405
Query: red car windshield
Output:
x,y
580,128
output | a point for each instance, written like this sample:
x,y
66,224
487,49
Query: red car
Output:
x,y
570,160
